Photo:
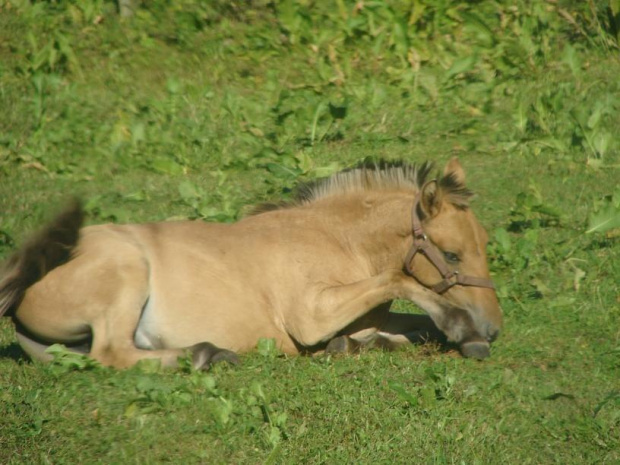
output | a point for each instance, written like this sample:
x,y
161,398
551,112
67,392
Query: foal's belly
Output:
x,y
165,325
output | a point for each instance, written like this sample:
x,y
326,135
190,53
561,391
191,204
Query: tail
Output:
x,y
50,248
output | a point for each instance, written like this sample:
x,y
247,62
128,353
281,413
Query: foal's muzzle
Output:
x,y
492,332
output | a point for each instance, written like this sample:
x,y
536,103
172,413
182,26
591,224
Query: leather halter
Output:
x,y
422,245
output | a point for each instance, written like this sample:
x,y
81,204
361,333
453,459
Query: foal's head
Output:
x,y
452,243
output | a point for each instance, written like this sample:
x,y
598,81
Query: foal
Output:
x,y
323,268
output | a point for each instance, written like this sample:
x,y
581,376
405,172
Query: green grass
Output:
x,y
200,110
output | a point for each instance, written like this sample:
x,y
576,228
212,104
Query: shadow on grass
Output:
x,y
425,334
419,330
14,351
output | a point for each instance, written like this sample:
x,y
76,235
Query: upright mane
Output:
x,y
366,176
372,176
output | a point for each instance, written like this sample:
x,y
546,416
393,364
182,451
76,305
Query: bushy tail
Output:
x,y
48,249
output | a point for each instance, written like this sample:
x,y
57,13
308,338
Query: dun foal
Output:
x,y
320,272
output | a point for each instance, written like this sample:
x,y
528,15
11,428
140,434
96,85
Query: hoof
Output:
x,y
342,345
476,349
205,354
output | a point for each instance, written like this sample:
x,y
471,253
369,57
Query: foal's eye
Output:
x,y
451,257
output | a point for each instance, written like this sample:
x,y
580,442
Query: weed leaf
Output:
x,y
188,192
604,220
403,393
461,65
267,347
65,360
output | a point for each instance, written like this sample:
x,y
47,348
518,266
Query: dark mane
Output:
x,y
373,175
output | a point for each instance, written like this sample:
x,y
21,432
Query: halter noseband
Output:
x,y
423,245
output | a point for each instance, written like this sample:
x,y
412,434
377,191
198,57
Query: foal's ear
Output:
x,y
454,168
430,199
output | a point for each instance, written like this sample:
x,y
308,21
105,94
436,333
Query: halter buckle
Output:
x,y
449,277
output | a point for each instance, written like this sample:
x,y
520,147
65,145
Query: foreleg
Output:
x,y
338,306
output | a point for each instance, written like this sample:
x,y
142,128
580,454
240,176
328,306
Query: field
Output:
x,y
200,110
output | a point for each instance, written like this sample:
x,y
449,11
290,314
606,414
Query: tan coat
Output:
x,y
303,274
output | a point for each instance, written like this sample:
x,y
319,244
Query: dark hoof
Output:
x,y
476,349
205,354
342,345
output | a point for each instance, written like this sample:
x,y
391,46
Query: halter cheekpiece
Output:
x,y
422,245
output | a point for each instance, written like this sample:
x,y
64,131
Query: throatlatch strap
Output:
x,y
423,245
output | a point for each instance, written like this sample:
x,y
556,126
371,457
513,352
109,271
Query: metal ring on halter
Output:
x,y
422,244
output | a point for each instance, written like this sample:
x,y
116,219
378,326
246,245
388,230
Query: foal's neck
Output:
x,y
378,226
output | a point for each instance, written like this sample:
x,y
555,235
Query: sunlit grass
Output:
x,y
201,109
